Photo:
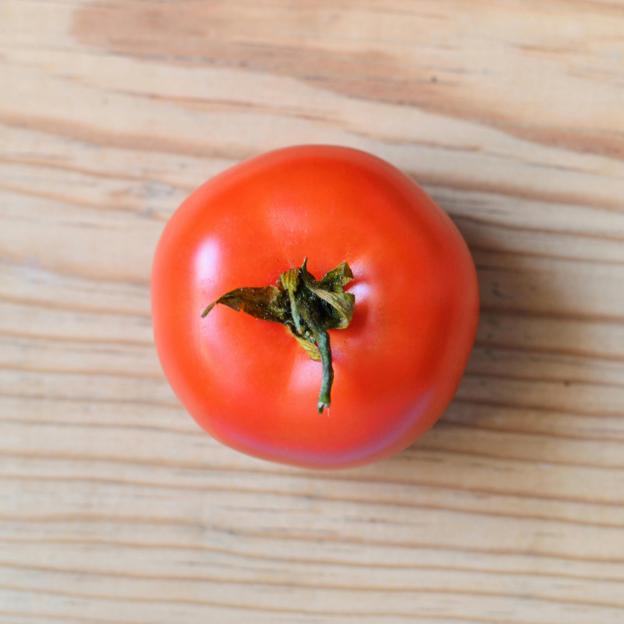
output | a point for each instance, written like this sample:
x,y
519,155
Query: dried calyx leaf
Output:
x,y
306,306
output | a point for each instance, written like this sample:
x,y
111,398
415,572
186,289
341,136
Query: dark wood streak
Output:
x,y
257,608
366,502
89,399
63,618
369,587
204,36
91,134
366,478
74,306
71,201
244,555
310,537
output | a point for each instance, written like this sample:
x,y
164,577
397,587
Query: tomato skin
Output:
x,y
246,381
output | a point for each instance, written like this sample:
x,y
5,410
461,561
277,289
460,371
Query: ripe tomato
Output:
x,y
396,365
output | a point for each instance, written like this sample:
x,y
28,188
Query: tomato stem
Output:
x,y
307,307
322,342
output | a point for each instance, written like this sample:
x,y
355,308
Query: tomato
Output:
x,y
248,381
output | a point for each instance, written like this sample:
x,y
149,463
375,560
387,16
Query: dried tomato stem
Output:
x,y
322,342
307,307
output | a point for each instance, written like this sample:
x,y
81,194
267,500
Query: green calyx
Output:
x,y
306,306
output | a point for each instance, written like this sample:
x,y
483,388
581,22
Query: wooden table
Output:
x,y
115,508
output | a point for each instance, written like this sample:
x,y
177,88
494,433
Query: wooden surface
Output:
x,y
115,508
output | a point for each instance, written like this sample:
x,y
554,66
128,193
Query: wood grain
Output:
x,y
115,509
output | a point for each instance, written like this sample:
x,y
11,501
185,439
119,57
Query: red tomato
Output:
x,y
247,381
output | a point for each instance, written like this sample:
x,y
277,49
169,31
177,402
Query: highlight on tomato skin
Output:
x,y
313,306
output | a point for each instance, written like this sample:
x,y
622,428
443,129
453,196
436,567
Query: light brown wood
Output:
x,y
115,508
